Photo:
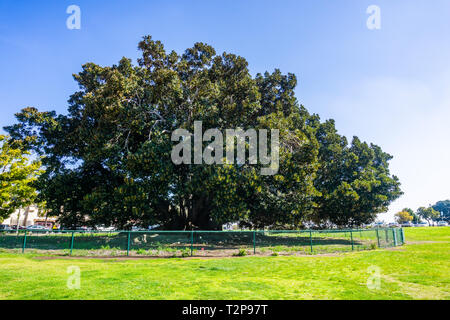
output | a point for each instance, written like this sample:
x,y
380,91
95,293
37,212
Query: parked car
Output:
x,y
37,228
379,225
104,229
421,224
5,227
83,228
442,224
393,225
407,224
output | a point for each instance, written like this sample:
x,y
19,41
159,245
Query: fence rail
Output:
x,y
198,243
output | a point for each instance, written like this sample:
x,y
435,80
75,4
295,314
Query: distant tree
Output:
x,y
403,217
444,208
17,175
415,217
428,214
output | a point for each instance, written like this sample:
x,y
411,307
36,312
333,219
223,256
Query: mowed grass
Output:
x,y
418,270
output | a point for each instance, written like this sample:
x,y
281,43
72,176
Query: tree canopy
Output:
x,y
403,217
444,208
17,175
107,161
428,214
415,217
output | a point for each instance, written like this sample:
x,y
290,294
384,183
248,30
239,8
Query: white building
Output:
x,y
27,217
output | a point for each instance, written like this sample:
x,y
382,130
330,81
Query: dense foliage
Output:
x,y
108,159
428,214
415,217
403,217
18,172
444,208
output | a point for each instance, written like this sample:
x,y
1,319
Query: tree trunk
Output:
x,y
27,211
17,225
201,214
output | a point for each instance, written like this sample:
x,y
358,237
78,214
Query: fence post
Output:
x,y
351,237
378,239
71,243
128,244
310,240
395,236
24,242
403,236
192,242
254,242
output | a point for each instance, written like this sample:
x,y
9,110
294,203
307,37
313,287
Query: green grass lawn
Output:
x,y
418,270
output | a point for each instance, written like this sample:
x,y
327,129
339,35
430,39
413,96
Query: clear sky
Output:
x,y
389,86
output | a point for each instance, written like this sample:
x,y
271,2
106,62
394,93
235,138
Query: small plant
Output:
x,y
277,249
170,250
240,253
275,254
373,246
185,253
141,251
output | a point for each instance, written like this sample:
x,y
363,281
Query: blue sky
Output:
x,y
389,86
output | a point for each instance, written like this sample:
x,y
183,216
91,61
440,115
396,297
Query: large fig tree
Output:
x,y
108,160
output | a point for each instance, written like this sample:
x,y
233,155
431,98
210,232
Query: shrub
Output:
x,y
240,253
185,253
141,251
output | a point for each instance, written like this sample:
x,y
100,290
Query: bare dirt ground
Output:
x,y
200,251
217,254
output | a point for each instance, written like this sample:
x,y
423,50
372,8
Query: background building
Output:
x,y
29,216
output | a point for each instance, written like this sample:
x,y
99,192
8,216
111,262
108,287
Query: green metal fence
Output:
x,y
199,243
